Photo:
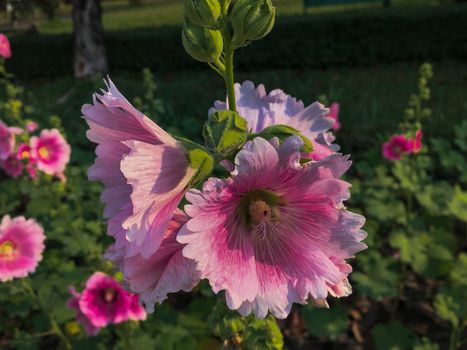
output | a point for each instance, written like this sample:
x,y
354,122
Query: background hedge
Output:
x,y
361,39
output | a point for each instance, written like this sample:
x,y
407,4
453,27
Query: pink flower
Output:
x,y
262,110
395,147
31,126
334,114
12,166
24,153
7,140
73,303
5,49
21,247
276,232
145,172
50,151
104,302
415,144
166,271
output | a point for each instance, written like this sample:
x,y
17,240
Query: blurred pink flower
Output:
x,y
31,126
334,114
145,172
104,302
21,247
50,151
166,271
262,110
276,232
5,49
24,154
415,144
12,166
396,146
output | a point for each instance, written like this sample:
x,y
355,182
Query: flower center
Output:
x,y
24,154
109,295
7,250
43,152
259,211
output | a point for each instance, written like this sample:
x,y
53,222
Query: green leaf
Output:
x,y
458,205
262,335
459,271
426,344
330,323
393,336
376,276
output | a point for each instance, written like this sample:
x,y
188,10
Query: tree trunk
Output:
x,y
90,56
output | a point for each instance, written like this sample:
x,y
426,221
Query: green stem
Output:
x,y
229,61
55,327
229,77
453,339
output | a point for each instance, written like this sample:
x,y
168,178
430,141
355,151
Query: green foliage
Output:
x,y
247,333
393,336
330,323
334,40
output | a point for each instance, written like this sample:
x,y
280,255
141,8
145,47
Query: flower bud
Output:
x,y
225,132
204,13
252,20
202,44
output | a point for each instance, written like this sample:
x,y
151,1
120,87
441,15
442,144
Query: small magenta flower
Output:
x,y
104,302
12,166
415,144
21,247
145,171
334,114
276,232
166,271
262,110
73,303
5,49
396,146
24,154
50,151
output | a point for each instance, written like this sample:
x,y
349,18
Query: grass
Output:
x,y
119,15
372,100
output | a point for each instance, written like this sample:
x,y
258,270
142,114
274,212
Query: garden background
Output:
x,y
409,285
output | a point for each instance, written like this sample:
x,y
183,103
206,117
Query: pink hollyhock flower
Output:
x,y
415,144
21,247
7,140
73,303
50,151
276,232
31,126
104,302
12,166
145,171
5,49
166,271
395,147
24,153
262,110
334,114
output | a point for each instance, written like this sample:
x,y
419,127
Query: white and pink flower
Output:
x,y
276,232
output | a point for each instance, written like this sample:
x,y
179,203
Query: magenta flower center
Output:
x,y
109,295
7,250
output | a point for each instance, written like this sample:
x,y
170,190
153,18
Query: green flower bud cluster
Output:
x,y
251,20
201,37
225,132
